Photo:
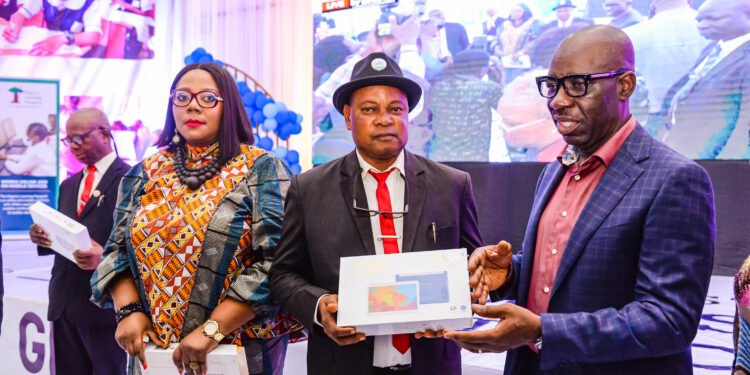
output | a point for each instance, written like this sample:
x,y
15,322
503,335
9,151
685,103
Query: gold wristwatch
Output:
x,y
211,330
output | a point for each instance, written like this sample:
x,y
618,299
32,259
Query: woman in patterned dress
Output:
x,y
742,320
196,227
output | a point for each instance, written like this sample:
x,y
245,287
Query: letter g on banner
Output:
x,y
36,347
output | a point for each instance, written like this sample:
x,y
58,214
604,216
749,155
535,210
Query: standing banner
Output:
x,y
26,340
29,138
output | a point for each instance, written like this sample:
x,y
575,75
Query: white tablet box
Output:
x,y
226,359
66,234
405,293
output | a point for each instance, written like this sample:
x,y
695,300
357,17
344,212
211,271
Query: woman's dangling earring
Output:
x,y
176,139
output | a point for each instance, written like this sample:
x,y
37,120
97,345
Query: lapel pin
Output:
x,y
96,193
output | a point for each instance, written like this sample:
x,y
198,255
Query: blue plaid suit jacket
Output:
x,y
632,283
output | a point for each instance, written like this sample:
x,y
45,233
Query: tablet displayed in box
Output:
x,y
405,293
433,287
393,297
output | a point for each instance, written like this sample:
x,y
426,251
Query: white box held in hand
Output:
x,y
405,293
66,234
226,359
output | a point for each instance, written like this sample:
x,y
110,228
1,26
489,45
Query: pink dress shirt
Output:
x,y
561,214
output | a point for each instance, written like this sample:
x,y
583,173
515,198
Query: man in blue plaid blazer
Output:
x,y
625,291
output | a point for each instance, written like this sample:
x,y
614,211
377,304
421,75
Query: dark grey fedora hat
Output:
x,y
377,69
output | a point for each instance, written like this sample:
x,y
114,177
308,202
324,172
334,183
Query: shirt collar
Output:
x,y
366,167
606,152
728,46
103,164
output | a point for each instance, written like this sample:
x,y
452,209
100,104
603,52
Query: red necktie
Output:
x,y
390,245
87,186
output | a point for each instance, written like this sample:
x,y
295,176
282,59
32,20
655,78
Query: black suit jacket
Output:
x,y
320,227
70,286
456,37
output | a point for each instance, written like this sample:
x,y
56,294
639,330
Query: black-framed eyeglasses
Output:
x,y
575,85
78,139
386,214
205,98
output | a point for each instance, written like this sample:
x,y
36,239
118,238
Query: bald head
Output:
x,y
91,117
91,127
601,47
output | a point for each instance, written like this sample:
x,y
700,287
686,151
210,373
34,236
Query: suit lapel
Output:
x,y
730,60
69,205
351,189
548,185
415,193
109,178
617,180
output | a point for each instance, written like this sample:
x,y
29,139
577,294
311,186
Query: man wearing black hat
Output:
x,y
564,13
379,199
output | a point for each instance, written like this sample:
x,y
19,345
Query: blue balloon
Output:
x,y
269,124
280,152
285,131
250,112
258,117
205,59
270,110
219,63
261,101
280,116
265,143
197,53
243,88
299,118
189,60
247,99
282,106
292,157
296,168
256,95
296,129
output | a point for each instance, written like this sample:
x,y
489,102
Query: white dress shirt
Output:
x,y
444,51
729,46
385,354
101,168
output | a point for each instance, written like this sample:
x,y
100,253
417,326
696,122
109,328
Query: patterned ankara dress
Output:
x,y
742,318
190,249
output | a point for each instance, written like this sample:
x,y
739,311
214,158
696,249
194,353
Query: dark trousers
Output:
x,y
83,350
266,357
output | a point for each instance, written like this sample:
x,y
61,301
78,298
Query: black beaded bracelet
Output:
x,y
128,309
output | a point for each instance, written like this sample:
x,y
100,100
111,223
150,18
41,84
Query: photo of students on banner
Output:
x,y
28,148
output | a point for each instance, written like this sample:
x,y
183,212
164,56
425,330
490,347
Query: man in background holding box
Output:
x,y
379,199
83,333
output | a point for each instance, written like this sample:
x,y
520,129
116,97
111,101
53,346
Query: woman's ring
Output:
x,y
195,366
480,351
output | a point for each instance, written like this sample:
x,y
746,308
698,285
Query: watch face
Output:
x,y
211,327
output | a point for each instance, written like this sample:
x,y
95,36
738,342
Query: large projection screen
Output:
x,y
476,61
